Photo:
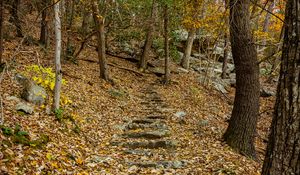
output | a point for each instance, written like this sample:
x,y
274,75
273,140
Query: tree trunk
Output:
x,y
69,21
268,16
185,62
267,20
85,22
283,150
44,25
58,72
166,29
240,133
14,11
1,30
225,56
149,38
99,27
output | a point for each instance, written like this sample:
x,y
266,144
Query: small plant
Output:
x,y
59,114
22,137
6,130
117,93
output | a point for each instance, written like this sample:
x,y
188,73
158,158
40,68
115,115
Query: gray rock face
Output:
x,y
32,92
24,107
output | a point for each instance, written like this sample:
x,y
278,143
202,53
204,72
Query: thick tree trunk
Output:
x,y
185,62
149,37
44,25
240,133
166,26
14,11
58,72
283,150
99,27
1,30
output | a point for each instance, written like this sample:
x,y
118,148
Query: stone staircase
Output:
x,y
148,139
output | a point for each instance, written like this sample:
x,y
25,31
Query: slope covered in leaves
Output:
x,y
80,142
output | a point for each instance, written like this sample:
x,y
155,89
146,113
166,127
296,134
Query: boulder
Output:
x,y
32,92
24,107
180,114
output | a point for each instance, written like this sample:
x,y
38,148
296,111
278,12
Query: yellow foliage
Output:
x,y
45,77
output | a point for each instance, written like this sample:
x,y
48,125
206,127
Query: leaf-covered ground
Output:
x,y
81,142
99,107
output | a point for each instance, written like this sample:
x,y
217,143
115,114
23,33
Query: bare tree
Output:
x,y
185,62
44,24
149,38
58,72
166,33
1,30
99,27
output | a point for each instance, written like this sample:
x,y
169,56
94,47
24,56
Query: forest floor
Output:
x,y
99,109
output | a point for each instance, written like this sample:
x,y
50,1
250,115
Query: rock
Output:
x,y
139,152
182,70
162,117
203,123
220,87
264,92
159,71
180,55
26,108
156,125
32,92
182,34
13,98
156,134
159,164
166,144
180,114
48,110
143,121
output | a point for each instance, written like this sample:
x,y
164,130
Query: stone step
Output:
x,y
156,125
154,117
159,164
153,144
138,152
156,134
143,121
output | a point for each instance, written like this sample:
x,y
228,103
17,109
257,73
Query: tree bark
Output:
x,y
185,62
1,30
268,16
99,27
166,29
225,56
44,25
69,21
240,133
283,150
58,71
149,38
14,11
